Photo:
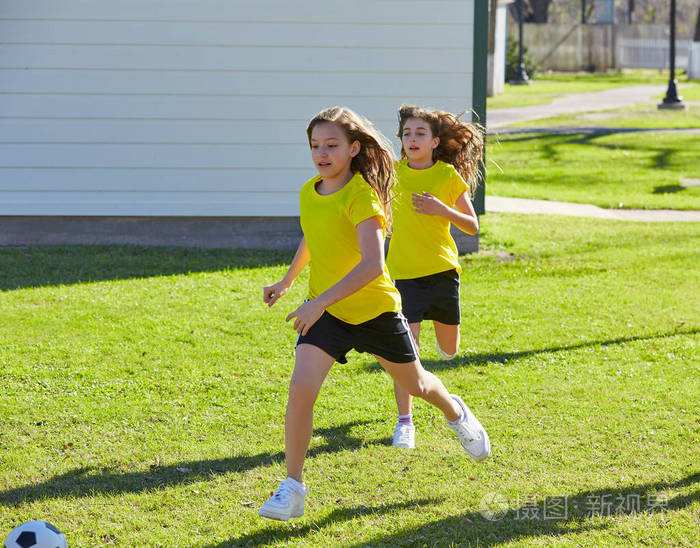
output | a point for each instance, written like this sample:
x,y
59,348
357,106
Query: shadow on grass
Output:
x,y
534,132
566,514
284,533
89,481
668,189
663,153
549,142
662,158
495,522
42,266
482,359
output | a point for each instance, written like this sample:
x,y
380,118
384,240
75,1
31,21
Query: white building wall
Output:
x,y
694,61
199,107
499,55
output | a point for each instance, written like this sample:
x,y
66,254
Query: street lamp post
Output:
x,y
672,100
521,76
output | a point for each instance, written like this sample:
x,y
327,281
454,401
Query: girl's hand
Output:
x,y
271,293
306,315
427,204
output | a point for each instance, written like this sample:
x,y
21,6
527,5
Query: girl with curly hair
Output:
x,y
437,176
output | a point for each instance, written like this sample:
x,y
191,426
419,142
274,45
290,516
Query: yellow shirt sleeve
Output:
x,y
458,186
365,204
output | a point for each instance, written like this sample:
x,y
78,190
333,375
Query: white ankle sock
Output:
x,y
458,419
406,419
298,486
444,355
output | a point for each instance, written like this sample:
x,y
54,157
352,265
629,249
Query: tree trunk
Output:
x,y
696,38
630,12
538,11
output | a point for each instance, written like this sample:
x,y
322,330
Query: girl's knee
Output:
x,y
418,388
421,391
300,388
411,377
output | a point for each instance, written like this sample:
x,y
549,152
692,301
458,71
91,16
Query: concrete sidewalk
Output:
x,y
590,130
501,204
575,102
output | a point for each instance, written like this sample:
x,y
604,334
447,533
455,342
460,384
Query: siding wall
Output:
x,y
199,108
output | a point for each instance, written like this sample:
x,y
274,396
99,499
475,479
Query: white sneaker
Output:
x,y
404,436
471,434
285,503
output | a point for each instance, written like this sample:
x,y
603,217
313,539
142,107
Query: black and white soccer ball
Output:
x,y
35,534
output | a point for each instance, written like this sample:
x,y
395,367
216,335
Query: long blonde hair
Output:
x,y
461,143
375,161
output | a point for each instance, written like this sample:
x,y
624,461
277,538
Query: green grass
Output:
x,y
689,91
636,116
144,390
630,170
548,86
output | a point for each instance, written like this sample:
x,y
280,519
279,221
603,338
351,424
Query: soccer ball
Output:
x,y
35,534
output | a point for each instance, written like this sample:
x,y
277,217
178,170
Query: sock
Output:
x,y
444,355
299,487
458,419
406,419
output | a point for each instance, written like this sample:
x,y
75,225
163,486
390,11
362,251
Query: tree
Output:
x,y
696,38
492,26
534,11
538,11
643,12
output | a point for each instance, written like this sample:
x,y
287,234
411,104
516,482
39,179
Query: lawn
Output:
x,y
637,116
629,170
548,86
621,169
144,389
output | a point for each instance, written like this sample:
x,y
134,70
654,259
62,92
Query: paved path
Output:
x,y
590,130
522,205
568,104
576,102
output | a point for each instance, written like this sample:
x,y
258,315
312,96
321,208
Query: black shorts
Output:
x,y
387,336
434,297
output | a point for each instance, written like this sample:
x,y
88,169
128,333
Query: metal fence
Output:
x,y
601,47
648,47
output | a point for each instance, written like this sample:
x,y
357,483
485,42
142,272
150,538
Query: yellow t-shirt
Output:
x,y
329,224
422,244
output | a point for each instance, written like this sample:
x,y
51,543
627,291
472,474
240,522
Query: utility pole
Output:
x,y
479,84
521,77
672,99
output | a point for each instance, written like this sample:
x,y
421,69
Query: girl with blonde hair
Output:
x,y
352,302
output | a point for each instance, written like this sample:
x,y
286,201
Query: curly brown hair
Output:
x,y
375,161
461,143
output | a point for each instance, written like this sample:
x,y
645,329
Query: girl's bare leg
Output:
x,y
422,384
447,337
310,369
404,400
